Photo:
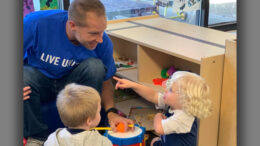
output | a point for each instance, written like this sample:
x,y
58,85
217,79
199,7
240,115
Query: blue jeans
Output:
x,y
90,72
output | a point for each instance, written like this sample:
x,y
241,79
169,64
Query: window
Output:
x,y
222,11
120,9
217,14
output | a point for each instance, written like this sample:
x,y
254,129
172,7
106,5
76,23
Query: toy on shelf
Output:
x,y
159,81
123,63
167,72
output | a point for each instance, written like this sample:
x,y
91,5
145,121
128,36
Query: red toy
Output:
x,y
24,141
158,81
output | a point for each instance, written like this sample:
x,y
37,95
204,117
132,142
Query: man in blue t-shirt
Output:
x,y
61,47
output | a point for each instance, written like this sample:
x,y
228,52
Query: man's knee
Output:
x,y
93,67
29,75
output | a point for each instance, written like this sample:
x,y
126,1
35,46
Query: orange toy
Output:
x,y
120,127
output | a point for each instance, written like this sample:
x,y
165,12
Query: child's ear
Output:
x,y
89,121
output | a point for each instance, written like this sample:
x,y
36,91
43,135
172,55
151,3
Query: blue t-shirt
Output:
x,y
47,47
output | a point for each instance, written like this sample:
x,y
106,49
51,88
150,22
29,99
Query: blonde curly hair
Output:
x,y
193,92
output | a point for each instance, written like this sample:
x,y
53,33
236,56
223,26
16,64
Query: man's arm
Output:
x,y
108,102
28,35
107,95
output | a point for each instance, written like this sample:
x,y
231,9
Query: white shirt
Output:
x,y
180,122
62,137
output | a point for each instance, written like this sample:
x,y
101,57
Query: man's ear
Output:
x,y
72,24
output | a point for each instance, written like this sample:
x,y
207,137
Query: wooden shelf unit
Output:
x,y
159,43
228,111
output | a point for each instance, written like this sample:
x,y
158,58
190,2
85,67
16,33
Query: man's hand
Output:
x,y
26,92
114,119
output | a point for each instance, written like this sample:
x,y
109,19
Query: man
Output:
x,y
62,47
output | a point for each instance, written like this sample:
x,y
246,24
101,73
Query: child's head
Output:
x,y
79,105
189,92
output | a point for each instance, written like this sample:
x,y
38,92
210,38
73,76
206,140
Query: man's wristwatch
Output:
x,y
112,109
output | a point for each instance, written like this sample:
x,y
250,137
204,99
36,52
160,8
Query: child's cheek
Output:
x,y
165,98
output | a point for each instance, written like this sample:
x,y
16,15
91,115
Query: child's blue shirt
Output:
x,y
181,139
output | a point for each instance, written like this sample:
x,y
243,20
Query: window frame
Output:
x,y
204,15
224,26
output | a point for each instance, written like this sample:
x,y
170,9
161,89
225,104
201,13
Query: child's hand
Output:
x,y
123,83
160,116
163,116
26,92
158,123
154,140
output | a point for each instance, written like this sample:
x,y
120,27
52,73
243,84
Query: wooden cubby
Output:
x,y
158,43
228,110
151,62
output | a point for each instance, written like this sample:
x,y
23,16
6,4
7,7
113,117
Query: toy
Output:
x,y
130,138
24,141
120,127
166,72
158,81
124,63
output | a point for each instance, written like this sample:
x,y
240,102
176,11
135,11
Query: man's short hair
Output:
x,y
76,103
78,8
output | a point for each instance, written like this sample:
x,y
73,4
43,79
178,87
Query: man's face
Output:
x,y
91,34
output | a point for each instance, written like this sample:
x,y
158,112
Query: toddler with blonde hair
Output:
x,y
186,99
79,109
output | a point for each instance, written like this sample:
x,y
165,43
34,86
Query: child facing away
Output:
x,y
186,99
79,109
